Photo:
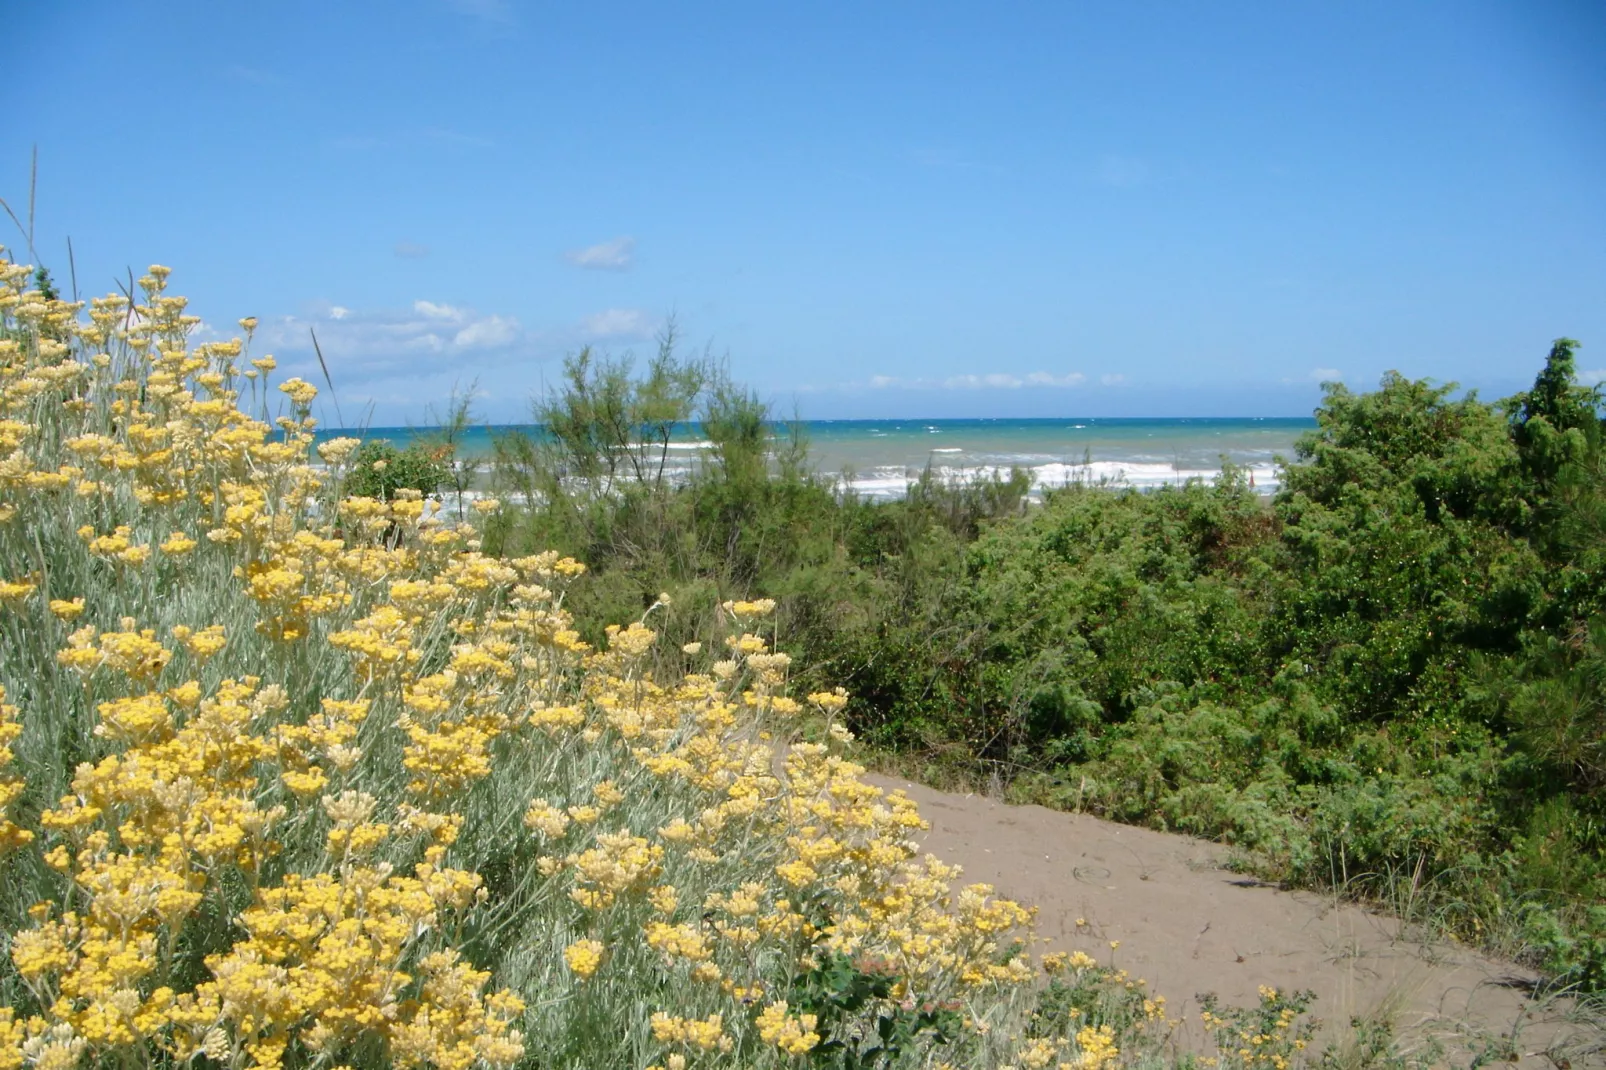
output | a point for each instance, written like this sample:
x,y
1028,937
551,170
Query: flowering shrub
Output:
x,y
291,777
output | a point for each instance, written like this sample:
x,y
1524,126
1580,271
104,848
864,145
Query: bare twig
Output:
x,y
20,228
316,348
128,292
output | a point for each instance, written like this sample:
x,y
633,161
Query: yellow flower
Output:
x,y
793,1035
583,957
66,610
706,1034
546,819
15,590
178,544
337,450
299,391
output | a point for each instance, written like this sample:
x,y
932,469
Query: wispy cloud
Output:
x,y
393,359
430,310
1046,379
616,255
368,341
410,250
991,381
491,332
619,323
1594,378
1315,375
1112,379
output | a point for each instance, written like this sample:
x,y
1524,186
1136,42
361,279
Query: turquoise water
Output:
x,y
881,455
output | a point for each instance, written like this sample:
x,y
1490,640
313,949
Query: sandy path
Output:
x,y
1188,926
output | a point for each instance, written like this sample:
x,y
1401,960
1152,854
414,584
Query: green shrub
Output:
x,y
379,470
1375,681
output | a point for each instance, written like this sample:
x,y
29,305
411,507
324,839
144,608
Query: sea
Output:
x,y
879,458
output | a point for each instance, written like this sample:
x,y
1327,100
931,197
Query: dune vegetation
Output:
x,y
300,768
1387,680
294,777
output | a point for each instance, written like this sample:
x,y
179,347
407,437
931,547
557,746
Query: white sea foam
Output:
x,y
893,482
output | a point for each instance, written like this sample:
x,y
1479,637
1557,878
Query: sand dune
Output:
x,y
1186,926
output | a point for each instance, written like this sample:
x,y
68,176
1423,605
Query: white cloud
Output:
x,y
991,381
1045,379
1112,379
619,323
616,255
976,382
1594,378
410,250
430,310
492,332
1326,375
361,342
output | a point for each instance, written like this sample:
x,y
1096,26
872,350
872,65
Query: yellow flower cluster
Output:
x,y
794,1035
11,785
202,782
584,957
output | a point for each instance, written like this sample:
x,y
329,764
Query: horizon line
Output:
x,y
779,421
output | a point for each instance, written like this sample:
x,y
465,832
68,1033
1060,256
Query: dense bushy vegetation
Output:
x,y
1386,679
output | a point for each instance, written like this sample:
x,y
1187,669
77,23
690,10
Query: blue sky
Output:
x,y
872,209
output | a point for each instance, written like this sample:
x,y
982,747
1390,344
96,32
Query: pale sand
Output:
x,y
1187,925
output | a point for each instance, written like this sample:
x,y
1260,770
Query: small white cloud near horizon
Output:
x,y
619,323
992,381
430,310
492,332
410,250
616,255
1594,378
386,338
1326,375
1112,379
